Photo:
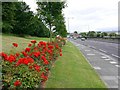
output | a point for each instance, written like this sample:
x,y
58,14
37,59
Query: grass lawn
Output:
x,y
73,71
7,40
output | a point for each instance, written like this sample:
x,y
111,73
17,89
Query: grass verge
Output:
x,y
73,71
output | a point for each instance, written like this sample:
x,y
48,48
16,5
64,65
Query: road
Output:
x,y
105,47
103,57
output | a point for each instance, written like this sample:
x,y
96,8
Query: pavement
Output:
x,y
105,65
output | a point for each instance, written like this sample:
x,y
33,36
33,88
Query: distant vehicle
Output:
x,y
75,38
82,39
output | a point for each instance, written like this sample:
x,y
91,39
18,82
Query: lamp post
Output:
x,y
68,22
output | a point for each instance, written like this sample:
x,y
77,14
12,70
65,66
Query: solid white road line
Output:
x,y
115,55
102,50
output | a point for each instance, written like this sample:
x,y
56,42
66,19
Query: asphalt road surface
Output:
x,y
103,57
105,47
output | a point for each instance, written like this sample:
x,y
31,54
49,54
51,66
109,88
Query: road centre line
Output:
x,y
115,55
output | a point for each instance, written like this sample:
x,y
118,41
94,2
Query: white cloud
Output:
x,y
91,14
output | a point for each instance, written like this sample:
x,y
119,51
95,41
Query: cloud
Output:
x,y
91,13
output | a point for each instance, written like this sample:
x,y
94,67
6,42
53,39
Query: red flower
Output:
x,y
50,47
60,54
17,54
15,44
27,50
43,58
11,58
33,41
25,61
17,83
46,62
29,45
37,67
4,55
24,53
36,54
44,77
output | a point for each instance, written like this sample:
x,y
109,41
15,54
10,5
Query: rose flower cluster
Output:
x,y
29,68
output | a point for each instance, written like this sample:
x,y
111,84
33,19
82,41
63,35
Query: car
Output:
x,y
82,39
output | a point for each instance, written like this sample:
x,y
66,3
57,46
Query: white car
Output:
x,y
82,39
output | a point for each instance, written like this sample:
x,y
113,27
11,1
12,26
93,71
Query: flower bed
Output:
x,y
29,68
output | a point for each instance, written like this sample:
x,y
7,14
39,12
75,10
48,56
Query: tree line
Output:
x,y
98,34
47,22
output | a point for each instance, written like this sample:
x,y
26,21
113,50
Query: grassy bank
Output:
x,y
73,71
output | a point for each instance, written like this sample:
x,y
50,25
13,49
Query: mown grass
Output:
x,y
7,40
73,71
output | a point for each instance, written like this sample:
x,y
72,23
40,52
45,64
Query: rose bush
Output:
x,y
30,67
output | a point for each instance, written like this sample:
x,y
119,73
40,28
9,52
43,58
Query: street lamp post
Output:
x,y
68,22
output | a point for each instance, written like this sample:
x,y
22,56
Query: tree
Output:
x,y
49,12
83,34
91,34
23,19
104,34
76,32
8,16
98,34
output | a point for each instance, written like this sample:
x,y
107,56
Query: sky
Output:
x,y
88,15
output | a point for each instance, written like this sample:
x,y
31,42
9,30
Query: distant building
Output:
x,y
75,35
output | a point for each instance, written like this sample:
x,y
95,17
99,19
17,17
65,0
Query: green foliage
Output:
x,y
84,34
91,34
51,14
8,16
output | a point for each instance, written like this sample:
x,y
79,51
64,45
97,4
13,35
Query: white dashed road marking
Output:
x,y
117,65
112,62
103,57
98,68
115,55
90,54
87,50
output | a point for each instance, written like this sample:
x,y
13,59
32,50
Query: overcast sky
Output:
x,y
89,15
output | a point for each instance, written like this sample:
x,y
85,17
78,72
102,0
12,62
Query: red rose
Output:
x,y
24,53
4,55
29,45
33,41
37,67
27,50
60,54
15,44
17,83
11,58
